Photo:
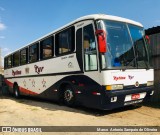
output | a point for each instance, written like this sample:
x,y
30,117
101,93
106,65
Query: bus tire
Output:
x,y
16,91
69,96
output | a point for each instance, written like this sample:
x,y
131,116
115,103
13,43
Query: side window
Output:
x,y
65,41
47,48
34,53
9,61
89,47
24,56
5,62
16,59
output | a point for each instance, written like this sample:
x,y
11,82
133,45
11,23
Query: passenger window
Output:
x,y
47,48
89,46
5,62
9,61
16,59
34,53
24,56
65,41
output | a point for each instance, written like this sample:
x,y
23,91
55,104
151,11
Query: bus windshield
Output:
x,y
125,46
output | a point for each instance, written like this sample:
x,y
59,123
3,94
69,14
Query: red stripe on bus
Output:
x,y
21,89
10,84
26,91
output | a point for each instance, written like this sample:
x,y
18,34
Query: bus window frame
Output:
x,y
56,44
5,62
27,53
41,48
13,59
29,59
11,55
96,47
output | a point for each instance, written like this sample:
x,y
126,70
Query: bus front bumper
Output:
x,y
119,98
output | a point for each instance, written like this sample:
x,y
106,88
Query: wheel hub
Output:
x,y
68,95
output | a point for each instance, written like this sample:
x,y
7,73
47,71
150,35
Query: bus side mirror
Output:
x,y
101,37
147,39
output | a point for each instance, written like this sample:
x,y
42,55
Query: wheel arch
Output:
x,y
62,87
16,88
15,83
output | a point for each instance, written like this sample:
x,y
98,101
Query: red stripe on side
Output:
x,y
10,84
21,89
26,91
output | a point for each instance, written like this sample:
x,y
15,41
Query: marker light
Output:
x,y
114,87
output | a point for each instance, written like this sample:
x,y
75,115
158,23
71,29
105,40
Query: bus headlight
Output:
x,y
150,83
114,87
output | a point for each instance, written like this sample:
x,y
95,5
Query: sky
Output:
x,y
23,21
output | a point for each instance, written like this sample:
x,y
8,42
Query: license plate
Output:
x,y
135,96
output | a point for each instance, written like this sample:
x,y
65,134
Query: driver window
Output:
x,y
89,46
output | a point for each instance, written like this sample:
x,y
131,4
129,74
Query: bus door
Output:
x,y
86,41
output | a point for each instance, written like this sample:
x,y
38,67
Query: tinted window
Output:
x,y
65,41
5,62
47,48
9,61
33,53
137,34
24,56
16,59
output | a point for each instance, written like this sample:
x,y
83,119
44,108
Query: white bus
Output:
x,y
97,61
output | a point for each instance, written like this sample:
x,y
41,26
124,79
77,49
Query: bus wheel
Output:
x,y
69,96
16,91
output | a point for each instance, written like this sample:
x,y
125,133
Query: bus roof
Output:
x,y
108,17
88,17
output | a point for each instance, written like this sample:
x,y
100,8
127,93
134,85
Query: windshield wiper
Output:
x,y
125,67
134,59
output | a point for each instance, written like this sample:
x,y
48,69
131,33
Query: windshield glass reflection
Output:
x,y
125,46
